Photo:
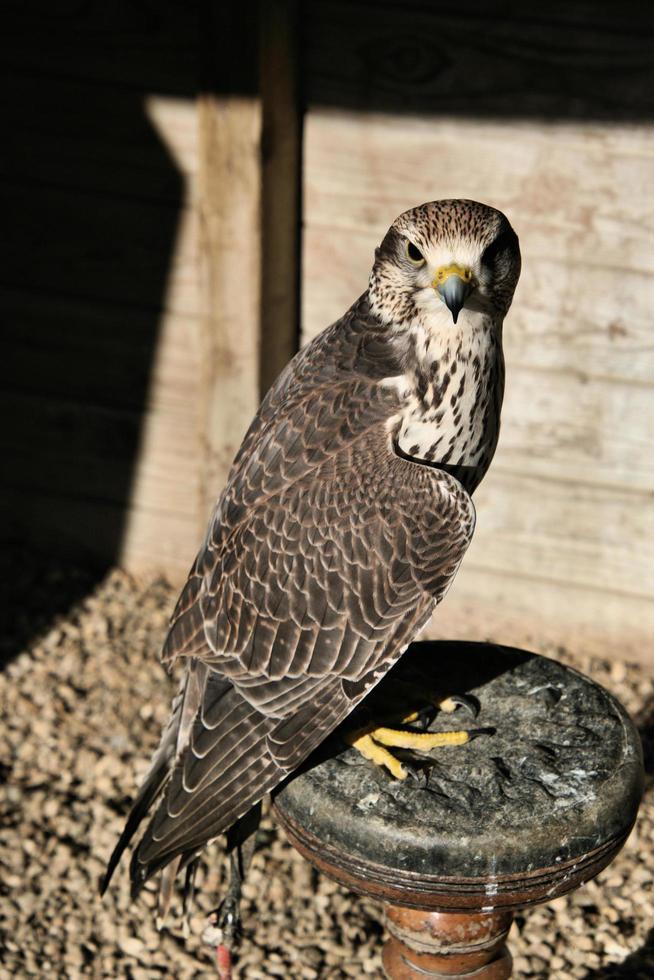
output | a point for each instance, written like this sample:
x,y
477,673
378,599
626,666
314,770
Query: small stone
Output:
x,y
93,690
132,946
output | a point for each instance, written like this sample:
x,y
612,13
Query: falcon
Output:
x,y
345,517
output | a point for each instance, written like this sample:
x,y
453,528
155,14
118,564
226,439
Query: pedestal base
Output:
x,y
537,805
446,944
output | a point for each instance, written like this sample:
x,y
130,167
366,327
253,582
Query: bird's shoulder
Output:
x,y
329,395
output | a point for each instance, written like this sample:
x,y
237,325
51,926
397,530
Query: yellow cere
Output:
x,y
446,271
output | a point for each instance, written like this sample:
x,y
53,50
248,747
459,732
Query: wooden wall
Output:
x,y
150,267
101,299
563,546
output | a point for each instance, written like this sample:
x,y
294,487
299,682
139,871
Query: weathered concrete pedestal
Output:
x,y
525,812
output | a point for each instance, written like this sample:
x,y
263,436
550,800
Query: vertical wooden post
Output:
x,y
280,218
249,214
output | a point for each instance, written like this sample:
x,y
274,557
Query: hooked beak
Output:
x,y
454,283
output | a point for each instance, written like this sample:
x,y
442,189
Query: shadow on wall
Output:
x,y
561,61
92,199
90,214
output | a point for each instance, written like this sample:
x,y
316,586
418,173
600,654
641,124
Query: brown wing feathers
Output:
x,y
325,551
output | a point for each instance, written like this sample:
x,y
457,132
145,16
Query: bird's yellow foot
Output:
x,y
371,743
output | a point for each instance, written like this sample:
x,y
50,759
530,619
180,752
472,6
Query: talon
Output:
x,y
454,701
419,774
476,732
422,717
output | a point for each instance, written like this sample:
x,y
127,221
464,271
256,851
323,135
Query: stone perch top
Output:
x,y
526,811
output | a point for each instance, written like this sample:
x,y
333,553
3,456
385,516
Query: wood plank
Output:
x,y
607,335
112,141
564,532
101,304
511,609
593,324
85,430
94,528
150,459
577,430
126,45
581,188
96,355
176,122
229,204
580,200
559,554
167,485
580,354
107,249
249,207
567,60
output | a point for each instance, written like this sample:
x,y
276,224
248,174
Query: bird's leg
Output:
x,y
224,925
373,741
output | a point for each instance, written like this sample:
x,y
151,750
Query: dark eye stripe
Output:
x,y
507,240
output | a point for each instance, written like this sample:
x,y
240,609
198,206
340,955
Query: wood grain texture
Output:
x,y
138,48
541,613
564,513
568,60
229,201
49,343
149,260
249,211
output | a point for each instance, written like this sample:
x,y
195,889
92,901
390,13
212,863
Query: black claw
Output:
x,y
476,732
425,717
417,772
468,702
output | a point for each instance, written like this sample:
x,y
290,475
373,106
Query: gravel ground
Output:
x,y
83,702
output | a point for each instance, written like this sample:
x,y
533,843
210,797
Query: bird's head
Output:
x,y
444,257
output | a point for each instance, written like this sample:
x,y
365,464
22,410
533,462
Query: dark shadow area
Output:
x,y
90,207
645,723
37,587
637,966
462,666
557,61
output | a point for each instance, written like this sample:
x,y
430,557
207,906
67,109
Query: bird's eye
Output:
x,y
414,254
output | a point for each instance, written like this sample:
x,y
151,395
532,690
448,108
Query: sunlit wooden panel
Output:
x,y
567,508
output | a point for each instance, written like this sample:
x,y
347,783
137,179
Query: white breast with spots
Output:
x,y
450,411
